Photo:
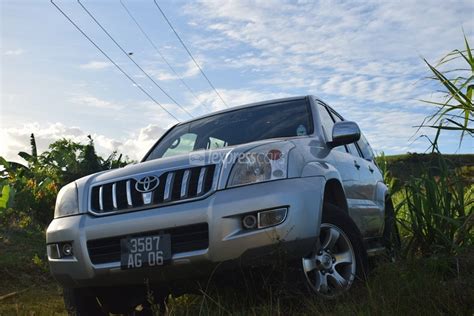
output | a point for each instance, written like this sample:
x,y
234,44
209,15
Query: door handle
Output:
x,y
371,170
356,164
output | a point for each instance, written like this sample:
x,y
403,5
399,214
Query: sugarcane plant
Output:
x,y
455,111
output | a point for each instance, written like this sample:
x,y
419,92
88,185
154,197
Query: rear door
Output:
x,y
371,177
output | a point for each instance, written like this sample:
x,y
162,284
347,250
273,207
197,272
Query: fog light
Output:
x,y
67,250
249,221
271,217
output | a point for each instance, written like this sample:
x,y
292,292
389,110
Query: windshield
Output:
x,y
273,120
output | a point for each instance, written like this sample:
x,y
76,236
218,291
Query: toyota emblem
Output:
x,y
147,184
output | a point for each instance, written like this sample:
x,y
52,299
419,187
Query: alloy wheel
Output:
x,y
331,269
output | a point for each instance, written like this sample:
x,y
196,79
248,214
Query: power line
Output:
x,y
129,57
159,53
189,53
113,62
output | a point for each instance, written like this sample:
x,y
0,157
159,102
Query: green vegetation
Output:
x,y
455,112
404,167
29,192
23,271
434,201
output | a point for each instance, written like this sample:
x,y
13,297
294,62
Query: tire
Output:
x,y
339,257
391,236
79,302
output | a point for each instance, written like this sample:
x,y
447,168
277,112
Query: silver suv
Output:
x,y
225,190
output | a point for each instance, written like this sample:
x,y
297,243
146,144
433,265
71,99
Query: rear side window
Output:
x,y
365,148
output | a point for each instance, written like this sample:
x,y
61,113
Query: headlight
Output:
x,y
264,163
66,202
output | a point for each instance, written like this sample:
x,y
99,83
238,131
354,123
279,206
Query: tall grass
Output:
x,y
435,210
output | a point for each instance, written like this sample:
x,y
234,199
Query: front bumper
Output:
x,y
228,242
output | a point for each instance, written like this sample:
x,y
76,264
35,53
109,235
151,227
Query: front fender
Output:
x,y
320,169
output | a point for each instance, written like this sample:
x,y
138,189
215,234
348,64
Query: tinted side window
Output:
x,y
326,122
364,146
353,149
337,118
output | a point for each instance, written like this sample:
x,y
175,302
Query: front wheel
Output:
x,y
339,258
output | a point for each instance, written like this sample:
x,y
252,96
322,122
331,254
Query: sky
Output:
x,y
364,58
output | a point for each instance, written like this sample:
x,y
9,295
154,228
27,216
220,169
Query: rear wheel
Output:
x,y
339,258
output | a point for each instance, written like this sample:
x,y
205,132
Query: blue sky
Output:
x,y
362,57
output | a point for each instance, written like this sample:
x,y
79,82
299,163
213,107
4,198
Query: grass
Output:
x,y
23,270
422,286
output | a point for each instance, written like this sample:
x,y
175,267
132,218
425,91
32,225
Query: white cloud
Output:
x,y
164,73
95,65
191,68
372,48
14,52
364,56
95,102
18,139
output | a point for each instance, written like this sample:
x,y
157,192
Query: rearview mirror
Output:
x,y
343,133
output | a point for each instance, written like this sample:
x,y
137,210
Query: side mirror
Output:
x,y
344,132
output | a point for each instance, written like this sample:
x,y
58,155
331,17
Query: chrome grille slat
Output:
x,y
185,184
202,174
174,186
129,193
101,198
114,195
169,186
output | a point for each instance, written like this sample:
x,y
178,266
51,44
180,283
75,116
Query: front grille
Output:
x,y
176,185
183,239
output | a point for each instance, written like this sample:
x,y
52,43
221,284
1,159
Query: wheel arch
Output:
x,y
335,195
333,190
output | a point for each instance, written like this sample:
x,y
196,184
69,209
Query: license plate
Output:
x,y
147,251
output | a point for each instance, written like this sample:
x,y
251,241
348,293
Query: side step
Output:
x,y
375,251
374,246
